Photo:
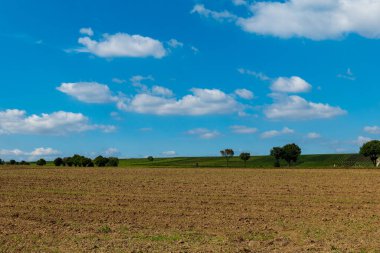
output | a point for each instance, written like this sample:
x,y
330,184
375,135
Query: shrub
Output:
x,y
150,158
58,162
113,162
41,162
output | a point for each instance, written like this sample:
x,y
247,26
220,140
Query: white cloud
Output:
x,y
161,91
200,102
243,130
362,140
158,100
122,45
372,129
57,123
313,135
239,2
88,92
86,31
258,75
169,153
204,133
296,108
146,129
316,20
175,43
274,133
293,84
36,153
244,93
221,16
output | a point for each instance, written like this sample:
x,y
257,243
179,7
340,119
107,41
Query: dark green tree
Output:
x,y
277,153
12,162
58,162
228,154
101,161
371,149
86,162
41,162
245,157
67,161
150,158
291,152
113,162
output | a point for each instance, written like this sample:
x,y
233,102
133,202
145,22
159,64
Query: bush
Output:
x,y
41,162
101,161
12,162
150,158
24,163
113,162
58,162
67,161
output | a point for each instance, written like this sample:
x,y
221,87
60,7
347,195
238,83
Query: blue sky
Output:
x,y
187,78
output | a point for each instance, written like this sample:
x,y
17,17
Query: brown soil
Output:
x,y
189,210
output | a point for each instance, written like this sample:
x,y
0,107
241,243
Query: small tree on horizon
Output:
x,y
277,153
291,152
245,157
227,153
150,158
41,162
371,149
58,162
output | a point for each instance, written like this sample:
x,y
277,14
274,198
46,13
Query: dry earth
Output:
x,y
189,210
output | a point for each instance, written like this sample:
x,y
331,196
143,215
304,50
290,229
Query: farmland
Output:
x,y
189,210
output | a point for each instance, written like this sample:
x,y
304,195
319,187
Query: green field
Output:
x,y
340,160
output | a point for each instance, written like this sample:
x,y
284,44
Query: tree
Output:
x,y
24,163
1,162
41,162
67,161
150,158
371,149
101,161
12,162
245,157
113,162
277,153
86,162
58,162
291,152
227,153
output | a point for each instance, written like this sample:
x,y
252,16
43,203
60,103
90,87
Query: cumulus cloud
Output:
x,y
86,31
274,133
372,129
296,108
162,91
244,93
122,45
118,80
293,84
243,129
204,133
57,123
88,92
38,152
313,135
221,16
316,20
158,100
200,102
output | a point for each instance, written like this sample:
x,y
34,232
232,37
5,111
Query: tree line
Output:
x,y
289,153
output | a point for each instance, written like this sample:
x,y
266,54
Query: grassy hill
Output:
x,y
341,160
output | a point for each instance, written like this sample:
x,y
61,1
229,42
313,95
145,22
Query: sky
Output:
x,y
187,78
